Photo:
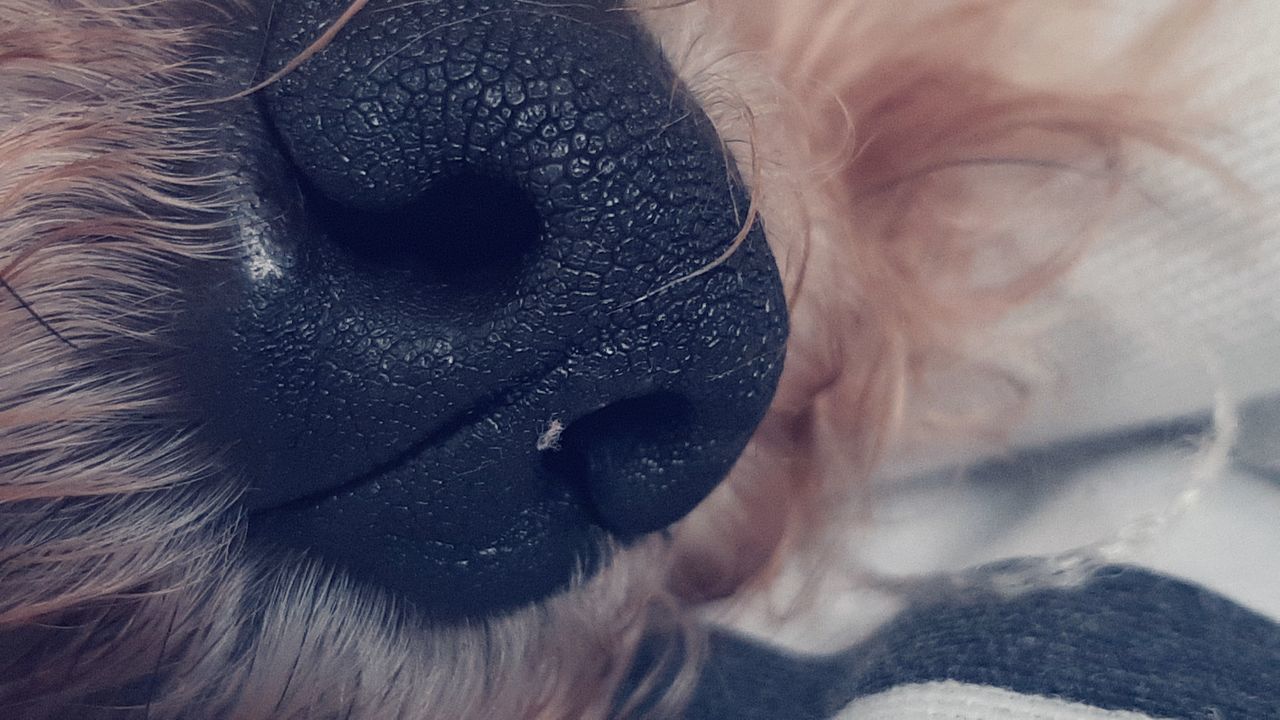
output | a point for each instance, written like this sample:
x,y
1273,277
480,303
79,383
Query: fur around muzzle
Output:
x,y
871,136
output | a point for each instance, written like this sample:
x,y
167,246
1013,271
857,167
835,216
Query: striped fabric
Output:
x,y
1127,643
961,701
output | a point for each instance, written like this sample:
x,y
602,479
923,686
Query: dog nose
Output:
x,y
521,304
520,159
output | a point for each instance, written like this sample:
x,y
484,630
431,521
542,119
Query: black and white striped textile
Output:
x,y
1126,644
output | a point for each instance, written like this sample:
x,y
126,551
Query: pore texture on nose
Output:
x,y
556,145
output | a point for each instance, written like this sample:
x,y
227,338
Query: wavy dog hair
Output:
x,y
879,141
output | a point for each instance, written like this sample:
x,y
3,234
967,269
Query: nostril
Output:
x,y
640,462
467,230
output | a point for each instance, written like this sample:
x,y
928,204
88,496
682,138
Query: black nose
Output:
x,y
508,319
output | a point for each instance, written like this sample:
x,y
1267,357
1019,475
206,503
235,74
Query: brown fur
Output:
x,y
877,138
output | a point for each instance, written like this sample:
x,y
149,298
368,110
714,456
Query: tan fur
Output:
x,y
897,146
869,132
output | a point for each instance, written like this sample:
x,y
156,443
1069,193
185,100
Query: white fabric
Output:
x,y
1176,308
1229,540
959,701
1180,296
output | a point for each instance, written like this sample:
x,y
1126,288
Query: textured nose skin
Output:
x,y
508,203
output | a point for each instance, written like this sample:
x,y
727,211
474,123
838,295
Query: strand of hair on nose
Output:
x,y
308,52
753,215
35,315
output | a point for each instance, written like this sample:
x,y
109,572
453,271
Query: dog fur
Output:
x,y
876,138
